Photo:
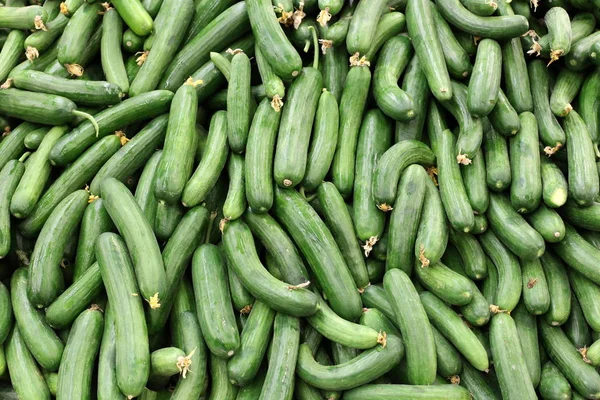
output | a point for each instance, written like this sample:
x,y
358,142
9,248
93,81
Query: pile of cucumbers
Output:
x,y
318,199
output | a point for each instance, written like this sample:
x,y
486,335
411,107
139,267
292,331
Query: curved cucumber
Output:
x,y
554,184
471,253
11,52
457,58
415,85
446,284
588,101
107,376
559,31
548,223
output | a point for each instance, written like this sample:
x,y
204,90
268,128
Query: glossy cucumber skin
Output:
x,y
136,231
414,326
75,372
559,30
148,105
536,296
235,203
558,287
45,279
293,140
11,52
22,17
485,81
325,260
548,223
474,179
362,29
583,176
10,175
37,107
553,383
516,78
495,151
132,361
187,335
110,50
135,16
42,341
323,141
504,117
77,33
432,233
588,100
239,103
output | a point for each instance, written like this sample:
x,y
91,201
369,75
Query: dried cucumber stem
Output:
x,y
246,310
95,307
92,198
357,61
554,55
31,53
324,17
535,48
494,5
551,150
276,103
368,246
63,9
298,15
385,207
154,301
39,24
222,224
495,309
424,260
122,137
300,286
534,4
193,83
7,84
463,159
143,55
287,182
455,380
233,52
583,352
433,172
74,69
325,44
382,338
184,364
286,16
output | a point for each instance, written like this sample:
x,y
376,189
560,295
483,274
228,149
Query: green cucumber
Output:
x,y
376,270
390,392
242,257
576,328
139,108
536,296
583,174
45,281
10,175
166,362
11,52
177,161
279,381
42,341
554,184
135,229
373,140
449,362
474,178
421,28
107,377
273,84
167,219
363,26
475,382
110,50
325,260
586,292
414,325
485,81
77,33
323,142
445,283
509,271
392,61
337,31
334,69
144,193
415,85
558,287
389,25
132,354
513,230
457,58
132,43
65,309
34,139
564,92
579,55
134,15
582,217
75,372
6,313
528,339
187,335
497,162
503,117
213,160
30,17
374,296
205,12
548,223
404,221
559,31
587,102
483,8
471,253
235,203
553,384
489,286
432,233
592,355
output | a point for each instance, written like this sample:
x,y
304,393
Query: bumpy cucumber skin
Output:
x,y
485,81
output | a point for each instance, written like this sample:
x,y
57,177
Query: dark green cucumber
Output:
x,y
497,162
554,184
139,108
414,326
334,68
213,160
474,179
489,286
376,270
144,193
323,141
374,296
6,313
536,296
404,221
483,8
30,17
475,382
586,292
553,384
396,391
167,219
583,174
503,117
471,254
581,375
579,56
432,233
11,52
445,283
213,301
528,339
25,376
513,230
485,81
391,165
421,28
45,281
187,335
132,43
279,245
449,362
564,91
480,225
137,232
392,61
135,16
44,344
587,103
558,288
457,58
363,26
390,24
75,372
559,31
337,31
165,362
132,354
235,203
509,281
550,131
34,139
497,27
77,33
415,85
273,84
582,217
110,50
10,175
548,223
576,328
242,257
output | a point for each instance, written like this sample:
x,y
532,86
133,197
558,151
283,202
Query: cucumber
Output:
x,y
177,161
30,17
471,254
576,328
474,178
415,85
34,139
374,296
587,102
213,160
446,284
449,362
550,131
583,176
395,391
392,61
421,28
554,184
73,301
135,229
457,58
334,68
390,167
144,193
278,245
559,31
40,63
414,325
553,384
43,343
132,354
497,28
497,162
489,286
579,55
167,219
504,117
235,203
483,8
166,362
6,313
366,367
139,108
111,58
135,16
535,288
242,257
586,292
389,25
564,92
363,26
10,175
528,339
279,382
485,81
558,287
75,372
432,233
274,86
205,12
513,230
132,43
475,382
11,52
518,87
323,143
45,281
582,217
338,31
548,224
187,335
26,378
581,375
77,33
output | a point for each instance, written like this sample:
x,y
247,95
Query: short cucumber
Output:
x,y
485,81
135,16
536,296
11,52
564,92
475,382
432,233
497,161
132,43
363,26
10,175
579,55
558,287
334,67
553,384
34,139
559,30
554,184
274,86
165,362
548,223
504,117
446,283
